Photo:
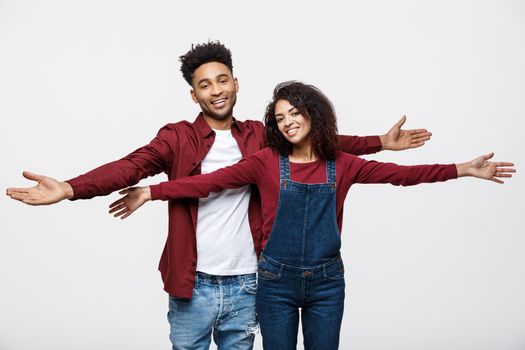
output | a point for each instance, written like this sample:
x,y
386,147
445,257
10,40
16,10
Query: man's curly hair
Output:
x,y
312,104
212,51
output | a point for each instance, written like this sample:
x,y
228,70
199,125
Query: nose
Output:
x,y
288,120
216,89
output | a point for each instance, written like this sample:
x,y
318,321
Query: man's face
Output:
x,y
215,90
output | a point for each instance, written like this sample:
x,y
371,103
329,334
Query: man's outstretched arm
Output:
x,y
46,191
148,160
396,139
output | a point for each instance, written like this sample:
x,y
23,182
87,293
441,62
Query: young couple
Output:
x,y
282,203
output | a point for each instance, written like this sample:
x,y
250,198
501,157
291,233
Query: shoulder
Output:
x,y
264,155
346,160
250,125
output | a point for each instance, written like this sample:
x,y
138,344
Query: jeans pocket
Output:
x,y
250,286
268,271
334,271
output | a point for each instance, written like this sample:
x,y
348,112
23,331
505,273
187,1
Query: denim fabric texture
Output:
x,y
222,307
301,267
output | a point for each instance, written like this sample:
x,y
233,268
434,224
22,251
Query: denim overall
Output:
x,y
300,267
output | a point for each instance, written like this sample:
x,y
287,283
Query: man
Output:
x,y
214,294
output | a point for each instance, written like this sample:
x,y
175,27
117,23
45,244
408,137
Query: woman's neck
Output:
x,y
303,154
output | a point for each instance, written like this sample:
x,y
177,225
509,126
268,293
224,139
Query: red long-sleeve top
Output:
x,y
178,150
262,169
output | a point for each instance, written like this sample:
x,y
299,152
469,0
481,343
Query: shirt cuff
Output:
x,y
451,171
374,143
156,192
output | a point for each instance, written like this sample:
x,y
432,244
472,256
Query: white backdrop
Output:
x,y
430,267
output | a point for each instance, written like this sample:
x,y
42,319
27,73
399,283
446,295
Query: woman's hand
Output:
x,y
483,169
133,199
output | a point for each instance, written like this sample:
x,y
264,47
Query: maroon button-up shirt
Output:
x,y
178,150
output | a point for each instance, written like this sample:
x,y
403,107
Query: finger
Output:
x,y
19,195
126,215
16,190
497,181
128,190
401,121
32,176
122,212
505,170
488,156
31,201
418,132
502,175
416,144
498,164
117,208
420,139
117,202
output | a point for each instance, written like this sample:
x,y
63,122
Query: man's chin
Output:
x,y
220,116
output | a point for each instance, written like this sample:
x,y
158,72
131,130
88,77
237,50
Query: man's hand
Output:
x,y
133,199
47,191
483,169
397,139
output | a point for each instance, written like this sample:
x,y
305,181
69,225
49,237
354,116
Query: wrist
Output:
x,y
463,169
384,142
146,193
67,189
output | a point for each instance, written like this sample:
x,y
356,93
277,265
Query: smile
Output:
x,y
292,132
219,103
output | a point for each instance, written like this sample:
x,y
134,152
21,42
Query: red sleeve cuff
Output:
x,y
451,171
374,143
156,192
75,185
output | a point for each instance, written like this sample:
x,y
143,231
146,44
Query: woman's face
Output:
x,y
292,124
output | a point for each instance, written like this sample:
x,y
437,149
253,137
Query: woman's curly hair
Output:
x,y
312,104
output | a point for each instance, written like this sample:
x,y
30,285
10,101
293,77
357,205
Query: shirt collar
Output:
x,y
205,129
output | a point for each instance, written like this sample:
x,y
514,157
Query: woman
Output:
x,y
303,180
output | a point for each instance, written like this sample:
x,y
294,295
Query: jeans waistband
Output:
x,y
218,279
314,268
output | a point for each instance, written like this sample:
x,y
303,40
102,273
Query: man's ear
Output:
x,y
193,96
236,84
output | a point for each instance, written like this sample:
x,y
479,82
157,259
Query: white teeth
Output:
x,y
218,101
292,132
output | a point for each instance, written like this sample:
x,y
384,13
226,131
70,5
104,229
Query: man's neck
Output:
x,y
222,124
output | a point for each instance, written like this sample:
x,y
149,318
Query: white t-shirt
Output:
x,y
224,239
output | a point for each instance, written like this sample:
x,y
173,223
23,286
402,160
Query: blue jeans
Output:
x,y
318,291
221,305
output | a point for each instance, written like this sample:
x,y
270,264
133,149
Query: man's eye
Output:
x,y
205,86
224,81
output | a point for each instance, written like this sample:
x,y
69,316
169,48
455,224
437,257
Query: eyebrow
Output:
x,y
280,114
217,77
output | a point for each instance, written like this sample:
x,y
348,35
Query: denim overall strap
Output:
x,y
305,231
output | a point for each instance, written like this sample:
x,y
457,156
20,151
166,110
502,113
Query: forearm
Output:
x,y
360,145
243,173
68,190
398,175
